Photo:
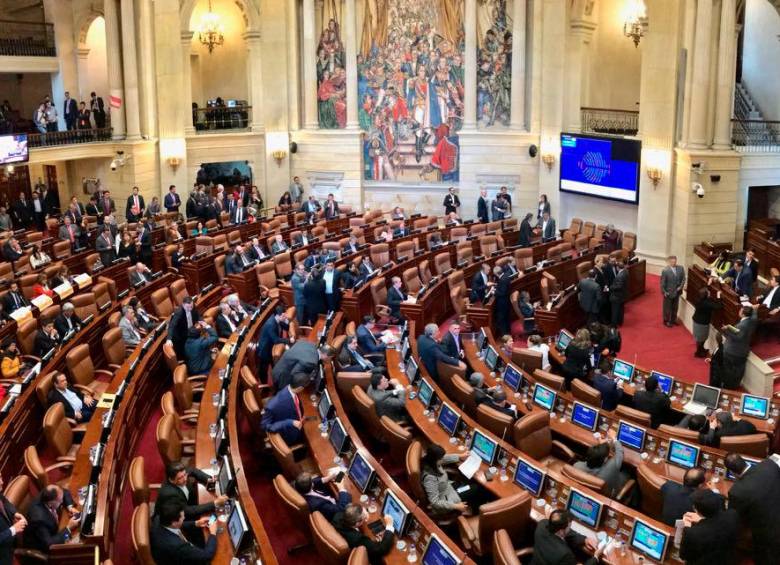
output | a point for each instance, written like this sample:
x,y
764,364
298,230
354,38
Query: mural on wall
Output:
x,y
494,62
331,75
410,88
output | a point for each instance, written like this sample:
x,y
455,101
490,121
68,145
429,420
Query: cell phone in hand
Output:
x,y
339,477
76,516
212,519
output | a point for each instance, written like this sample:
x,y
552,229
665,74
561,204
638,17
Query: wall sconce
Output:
x,y
654,174
549,160
9,169
173,163
279,155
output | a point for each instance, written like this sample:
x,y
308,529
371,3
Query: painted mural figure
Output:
x,y
331,78
494,66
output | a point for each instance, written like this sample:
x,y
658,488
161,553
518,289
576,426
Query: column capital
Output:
x,y
186,36
82,52
583,28
251,36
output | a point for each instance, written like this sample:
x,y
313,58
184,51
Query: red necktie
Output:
x,y
297,402
70,231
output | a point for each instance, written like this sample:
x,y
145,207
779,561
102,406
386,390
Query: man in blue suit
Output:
x,y
319,497
270,335
172,200
742,278
431,352
367,340
284,412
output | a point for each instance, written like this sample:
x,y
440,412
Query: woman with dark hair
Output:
x,y
350,276
526,231
127,247
702,317
286,200
544,206
599,463
716,362
578,361
11,363
39,258
721,265
62,276
440,490
41,286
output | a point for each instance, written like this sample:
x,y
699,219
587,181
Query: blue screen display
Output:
x,y
756,406
544,397
623,370
648,540
426,393
631,436
491,358
393,508
683,454
448,419
513,378
600,166
337,436
484,447
585,416
665,382
438,554
564,338
324,405
360,472
585,509
529,477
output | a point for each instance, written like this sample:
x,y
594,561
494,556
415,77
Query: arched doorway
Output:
x,y
92,63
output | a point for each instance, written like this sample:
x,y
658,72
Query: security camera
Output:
x,y
698,189
114,164
698,167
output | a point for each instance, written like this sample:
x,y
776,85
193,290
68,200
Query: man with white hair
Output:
x,y
431,352
67,321
482,207
241,308
131,335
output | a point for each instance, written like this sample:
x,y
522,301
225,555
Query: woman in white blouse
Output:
x,y
536,343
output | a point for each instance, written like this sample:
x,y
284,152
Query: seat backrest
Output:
x,y
80,366
531,434
488,245
220,242
25,335
524,258
456,280
398,437
585,479
170,356
19,493
459,233
495,421
682,433
380,253
43,386
34,468
464,252
404,249
85,304
378,291
442,263
139,486
583,269
168,439
266,274
478,229
26,283
503,549
219,267
6,271
463,394
629,241
411,279
283,265
414,472
284,456
234,237
425,271
179,291
57,430
358,556
182,389
366,408
168,254
102,294
292,499
576,226
544,290
754,445
331,545
550,380
113,346
90,261
511,514
61,249
161,303
586,393
633,415
140,534
458,299
251,408
650,484
581,242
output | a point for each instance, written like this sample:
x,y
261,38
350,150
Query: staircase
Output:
x,y
745,108
750,129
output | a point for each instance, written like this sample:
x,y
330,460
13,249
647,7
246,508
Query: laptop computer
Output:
x,y
704,398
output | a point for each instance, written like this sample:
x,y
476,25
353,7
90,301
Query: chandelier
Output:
x,y
634,26
211,31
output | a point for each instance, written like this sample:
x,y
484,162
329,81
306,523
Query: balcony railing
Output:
x,y
756,136
606,120
27,39
210,120
68,137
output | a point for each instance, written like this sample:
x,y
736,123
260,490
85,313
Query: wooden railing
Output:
x,y
27,39
68,137
206,120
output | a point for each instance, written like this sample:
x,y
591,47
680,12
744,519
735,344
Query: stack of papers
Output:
x,y
470,466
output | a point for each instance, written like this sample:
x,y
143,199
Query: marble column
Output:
x,y
310,120
517,120
701,75
186,95
580,35
82,54
254,63
114,63
65,79
147,84
130,68
726,78
351,54
470,96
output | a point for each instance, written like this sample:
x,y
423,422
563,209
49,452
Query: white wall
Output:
x,y
596,210
96,77
761,54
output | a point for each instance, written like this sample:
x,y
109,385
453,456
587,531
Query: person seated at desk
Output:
x,y
401,230
140,275
11,362
172,234
479,390
395,297
368,341
450,342
285,201
278,245
41,287
43,522
256,251
430,351
599,463
528,311
78,406
169,545
507,345
197,349
723,424
178,257
237,262
653,401
389,397
12,251
386,234
556,543
351,246
611,238
62,277
366,266
46,339
721,265
578,361
495,398
311,207
348,523
313,259
319,497
131,333
67,321
441,492
199,229
226,321
39,258
242,309
14,299
742,278
436,240
480,284
352,360
771,299
143,320
453,219
398,214
610,387
283,414
536,343
710,533
350,276
677,497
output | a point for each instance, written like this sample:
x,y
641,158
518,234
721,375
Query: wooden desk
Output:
x,y
760,237
698,279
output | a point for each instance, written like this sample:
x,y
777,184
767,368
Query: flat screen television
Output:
x,y
601,166
13,148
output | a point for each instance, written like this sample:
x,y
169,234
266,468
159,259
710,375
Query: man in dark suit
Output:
x,y
169,544
725,425
46,339
91,209
331,208
618,293
741,278
755,495
351,246
70,112
271,334
607,385
278,245
12,524
450,342
653,401
144,239
256,251
134,209
197,349
22,212
98,110
401,230
555,542
480,283
366,266
14,299
319,497
348,524
526,231
140,275
104,245
677,497
12,251
352,359
710,534
283,414
303,357
43,522
311,207
367,340
236,262
431,352
736,347
172,200
182,320
590,294
547,225
752,263
395,296
67,321
77,406
501,304
106,203
482,207
496,399
238,215
771,298
451,202
226,321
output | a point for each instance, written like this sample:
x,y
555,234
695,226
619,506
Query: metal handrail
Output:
x,y
27,39
221,118
756,136
68,137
